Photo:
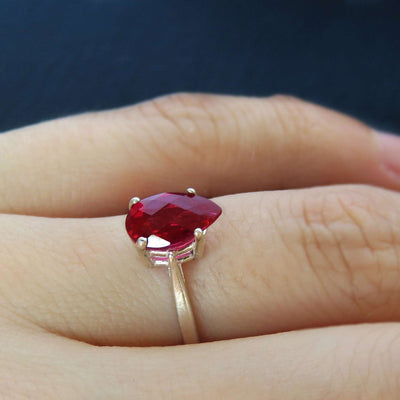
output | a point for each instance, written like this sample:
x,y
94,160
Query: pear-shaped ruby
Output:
x,y
168,220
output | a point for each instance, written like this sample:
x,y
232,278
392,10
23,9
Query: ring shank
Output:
x,y
183,306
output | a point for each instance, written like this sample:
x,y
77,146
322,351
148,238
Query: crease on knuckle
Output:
x,y
348,242
188,117
291,117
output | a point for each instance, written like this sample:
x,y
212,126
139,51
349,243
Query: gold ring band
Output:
x,y
184,310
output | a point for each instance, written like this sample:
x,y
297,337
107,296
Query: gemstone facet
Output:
x,y
168,220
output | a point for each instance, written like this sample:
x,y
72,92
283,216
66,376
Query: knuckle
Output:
x,y
350,233
285,99
290,115
177,105
188,114
195,121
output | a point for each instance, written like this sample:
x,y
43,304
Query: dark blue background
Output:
x,y
62,57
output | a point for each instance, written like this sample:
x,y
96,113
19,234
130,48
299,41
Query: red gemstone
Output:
x,y
168,220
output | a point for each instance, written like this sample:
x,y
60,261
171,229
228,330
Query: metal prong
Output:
x,y
199,236
141,244
191,191
133,201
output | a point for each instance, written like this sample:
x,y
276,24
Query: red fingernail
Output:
x,y
390,149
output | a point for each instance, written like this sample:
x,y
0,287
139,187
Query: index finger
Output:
x,y
92,164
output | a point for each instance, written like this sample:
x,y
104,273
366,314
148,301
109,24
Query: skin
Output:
x,y
295,298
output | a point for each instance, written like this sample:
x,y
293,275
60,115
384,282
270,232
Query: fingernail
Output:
x,y
390,150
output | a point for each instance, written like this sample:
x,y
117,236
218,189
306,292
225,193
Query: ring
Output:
x,y
169,229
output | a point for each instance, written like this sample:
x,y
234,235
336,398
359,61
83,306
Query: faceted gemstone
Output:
x,y
168,220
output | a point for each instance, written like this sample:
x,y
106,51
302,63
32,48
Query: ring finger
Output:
x,y
275,261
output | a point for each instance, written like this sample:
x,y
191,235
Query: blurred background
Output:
x,y
64,57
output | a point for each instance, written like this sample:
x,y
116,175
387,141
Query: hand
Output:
x,y
79,310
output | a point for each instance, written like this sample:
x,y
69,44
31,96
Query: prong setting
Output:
x,y
188,211
199,237
191,191
133,201
141,244
158,258
198,233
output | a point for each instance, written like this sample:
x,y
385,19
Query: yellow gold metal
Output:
x,y
199,236
141,243
191,191
133,201
183,306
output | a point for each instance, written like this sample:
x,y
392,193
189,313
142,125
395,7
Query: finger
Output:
x,y
92,164
331,363
340,363
274,261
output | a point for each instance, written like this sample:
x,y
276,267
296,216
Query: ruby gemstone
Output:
x,y
168,220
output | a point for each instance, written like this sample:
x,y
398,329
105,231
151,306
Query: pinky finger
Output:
x,y
340,363
335,363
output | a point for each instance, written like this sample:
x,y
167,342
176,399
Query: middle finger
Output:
x,y
275,261
86,165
